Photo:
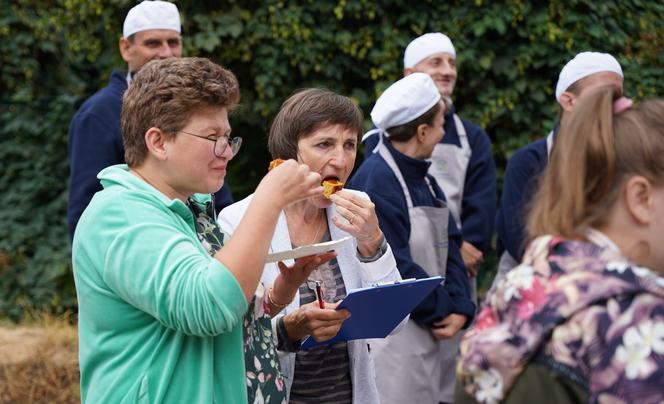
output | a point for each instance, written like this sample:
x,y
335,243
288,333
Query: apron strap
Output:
x,y
461,131
433,193
374,132
370,133
385,154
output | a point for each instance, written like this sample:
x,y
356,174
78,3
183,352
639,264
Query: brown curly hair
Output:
x,y
165,93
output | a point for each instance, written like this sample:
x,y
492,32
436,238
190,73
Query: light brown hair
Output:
x,y
403,133
165,93
595,153
304,113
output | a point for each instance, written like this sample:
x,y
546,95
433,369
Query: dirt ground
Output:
x,y
39,363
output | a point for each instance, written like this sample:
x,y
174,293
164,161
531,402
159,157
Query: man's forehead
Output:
x,y
438,55
156,34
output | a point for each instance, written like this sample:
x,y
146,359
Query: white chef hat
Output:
x,y
583,65
151,15
426,45
403,102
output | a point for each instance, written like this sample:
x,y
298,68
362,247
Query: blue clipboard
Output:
x,y
376,311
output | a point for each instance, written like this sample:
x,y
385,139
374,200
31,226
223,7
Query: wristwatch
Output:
x,y
382,249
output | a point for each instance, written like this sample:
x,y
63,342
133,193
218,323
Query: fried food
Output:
x,y
274,163
331,186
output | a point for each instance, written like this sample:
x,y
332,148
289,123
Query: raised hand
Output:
x,y
361,220
289,182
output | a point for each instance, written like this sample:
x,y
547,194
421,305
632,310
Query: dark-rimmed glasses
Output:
x,y
220,143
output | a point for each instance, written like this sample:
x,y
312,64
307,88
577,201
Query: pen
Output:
x,y
319,295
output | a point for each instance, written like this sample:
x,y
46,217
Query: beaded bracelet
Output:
x,y
273,302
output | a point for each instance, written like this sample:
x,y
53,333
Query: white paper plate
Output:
x,y
303,251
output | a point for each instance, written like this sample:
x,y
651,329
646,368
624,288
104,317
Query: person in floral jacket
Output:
x,y
264,377
582,318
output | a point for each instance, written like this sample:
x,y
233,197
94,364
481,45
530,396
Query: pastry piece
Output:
x,y
274,163
331,186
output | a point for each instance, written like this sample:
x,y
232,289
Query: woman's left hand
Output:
x,y
291,277
295,275
361,221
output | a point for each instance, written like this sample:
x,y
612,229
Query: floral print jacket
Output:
x,y
581,309
265,382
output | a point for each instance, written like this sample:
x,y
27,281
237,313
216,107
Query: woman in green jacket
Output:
x,y
160,317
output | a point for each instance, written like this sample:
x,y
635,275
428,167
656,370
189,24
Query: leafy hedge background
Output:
x,y
55,54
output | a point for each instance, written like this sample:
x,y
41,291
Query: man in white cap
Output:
x,y
417,364
151,30
462,162
585,71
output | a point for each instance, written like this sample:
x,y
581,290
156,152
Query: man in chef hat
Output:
x,y
151,30
417,364
462,162
585,71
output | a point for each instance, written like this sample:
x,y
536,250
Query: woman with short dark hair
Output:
x,y
321,129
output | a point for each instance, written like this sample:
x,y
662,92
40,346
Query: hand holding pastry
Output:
x,y
274,163
290,182
362,222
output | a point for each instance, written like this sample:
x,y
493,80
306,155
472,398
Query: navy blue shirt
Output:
x,y
95,142
478,203
376,179
522,177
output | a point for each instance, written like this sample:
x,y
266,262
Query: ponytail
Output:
x,y
594,153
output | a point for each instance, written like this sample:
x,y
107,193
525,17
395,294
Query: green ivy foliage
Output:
x,y
56,53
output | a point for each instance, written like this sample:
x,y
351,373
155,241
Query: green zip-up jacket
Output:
x,y
159,319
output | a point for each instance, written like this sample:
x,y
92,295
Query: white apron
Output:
x,y
507,262
449,166
412,366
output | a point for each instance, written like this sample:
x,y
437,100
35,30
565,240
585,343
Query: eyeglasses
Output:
x,y
220,143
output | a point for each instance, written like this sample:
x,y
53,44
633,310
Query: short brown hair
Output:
x,y
594,155
165,93
307,111
405,132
